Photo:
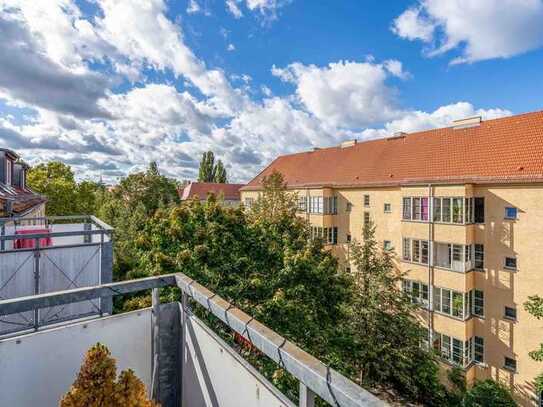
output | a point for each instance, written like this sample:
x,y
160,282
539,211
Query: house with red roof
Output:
x,y
229,193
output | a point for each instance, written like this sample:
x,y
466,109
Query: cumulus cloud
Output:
x,y
345,93
78,116
482,29
267,9
30,76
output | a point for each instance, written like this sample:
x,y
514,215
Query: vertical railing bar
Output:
x,y
307,397
36,280
155,298
184,310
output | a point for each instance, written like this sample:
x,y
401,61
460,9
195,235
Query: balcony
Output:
x,y
181,361
41,255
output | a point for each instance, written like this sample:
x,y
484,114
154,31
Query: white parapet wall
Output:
x,y
38,368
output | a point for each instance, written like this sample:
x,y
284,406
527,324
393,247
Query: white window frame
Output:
x,y
389,209
9,174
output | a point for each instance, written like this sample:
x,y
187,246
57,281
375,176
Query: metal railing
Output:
x,y
75,251
315,378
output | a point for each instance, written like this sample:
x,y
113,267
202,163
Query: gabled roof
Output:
x,y
495,151
201,190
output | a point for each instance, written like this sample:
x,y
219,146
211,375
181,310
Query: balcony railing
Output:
x,y
180,360
45,254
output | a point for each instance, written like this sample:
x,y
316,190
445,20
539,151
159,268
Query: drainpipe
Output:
x,y
430,264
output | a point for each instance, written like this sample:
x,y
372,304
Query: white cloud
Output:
x,y
482,29
193,7
345,94
101,133
443,116
233,8
142,32
268,9
230,47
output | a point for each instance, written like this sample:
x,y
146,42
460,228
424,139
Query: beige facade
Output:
x,y
467,287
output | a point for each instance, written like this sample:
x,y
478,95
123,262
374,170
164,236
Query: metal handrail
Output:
x,y
320,379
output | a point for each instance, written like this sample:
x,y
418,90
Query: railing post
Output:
x,y
106,274
36,280
184,310
155,386
307,397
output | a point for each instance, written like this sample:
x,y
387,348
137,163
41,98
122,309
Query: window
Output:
x,y
446,210
249,202
479,210
446,301
437,209
388,208
457,304
437,299
479,256
348,269
510,213
329,235
302,204
366,200
424,251
387,245
424,209
406,208
510,263
510,313
479,349
457,210
348,237
366,218
349,207
415,256
416,250
418,292
330,205
510,364
406,249
416,209
457,351
478,303
316,204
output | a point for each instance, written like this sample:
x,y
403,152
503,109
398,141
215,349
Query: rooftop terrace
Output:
x,y
181,360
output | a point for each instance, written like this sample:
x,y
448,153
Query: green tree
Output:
x,y
267,266
207,165
488,393
56,181
387,339
210,171
219,173
127,207
534,306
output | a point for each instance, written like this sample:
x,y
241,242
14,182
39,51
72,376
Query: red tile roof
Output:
x,y
203,189
496,151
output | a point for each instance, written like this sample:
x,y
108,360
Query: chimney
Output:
x,y
467,122
348,143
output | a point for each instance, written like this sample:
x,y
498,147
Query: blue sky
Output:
x,y
108,86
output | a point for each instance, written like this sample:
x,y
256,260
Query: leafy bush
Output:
x,y
489,393
96,384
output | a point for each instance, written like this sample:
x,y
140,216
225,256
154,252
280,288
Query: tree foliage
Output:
x,y
96,384
266,266
488,393
210,171
127,207
534,306
387,338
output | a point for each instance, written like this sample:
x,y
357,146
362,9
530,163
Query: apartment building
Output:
x,y
462,210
